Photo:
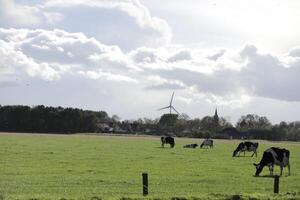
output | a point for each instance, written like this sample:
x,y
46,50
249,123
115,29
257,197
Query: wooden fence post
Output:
x,y
276,184
145,184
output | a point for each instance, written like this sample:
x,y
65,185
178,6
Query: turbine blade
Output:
x,y
175,110
171,99
163,108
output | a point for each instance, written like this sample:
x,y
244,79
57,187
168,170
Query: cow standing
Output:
x,y
274,156
207,143
246,146
167,140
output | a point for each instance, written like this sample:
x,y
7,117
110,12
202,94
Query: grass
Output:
x,y
104,167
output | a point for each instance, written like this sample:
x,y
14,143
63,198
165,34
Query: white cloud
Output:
x,y
108,76
295,51
51,54
145,55
125,23
270,77
159,83
231,23
13,63
17,15
216,55
181,55
232,77
185,100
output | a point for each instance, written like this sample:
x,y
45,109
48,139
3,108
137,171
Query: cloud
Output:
x,y
107,76
180,56
51,54
145,55
215,56
15,62
185,100
232,77
268,76
295,51
158,83
17,15
125,23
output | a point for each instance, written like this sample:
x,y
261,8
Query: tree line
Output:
x,y
45,119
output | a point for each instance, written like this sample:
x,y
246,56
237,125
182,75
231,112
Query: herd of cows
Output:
x,y
272,156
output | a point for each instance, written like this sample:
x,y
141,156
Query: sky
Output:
x,y
127,57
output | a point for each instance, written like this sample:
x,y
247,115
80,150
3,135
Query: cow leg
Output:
x,y
281,168
244,153
289,167
253,154
271,170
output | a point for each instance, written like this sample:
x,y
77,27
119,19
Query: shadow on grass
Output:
x,y
248,156
270,176
96,198
264,176
164,147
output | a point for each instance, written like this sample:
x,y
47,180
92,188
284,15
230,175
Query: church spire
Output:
x,y
216,117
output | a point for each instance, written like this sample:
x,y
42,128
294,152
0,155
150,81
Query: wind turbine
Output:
x,y
170,106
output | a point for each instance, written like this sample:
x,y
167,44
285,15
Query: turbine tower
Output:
x,y
170,106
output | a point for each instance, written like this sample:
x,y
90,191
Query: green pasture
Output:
x,y
111,167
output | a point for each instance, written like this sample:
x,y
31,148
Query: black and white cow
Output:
x,y
193,146
167,140
246,146
207,143
274,156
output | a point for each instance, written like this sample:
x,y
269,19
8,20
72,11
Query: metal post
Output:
x,y
145,184
276,184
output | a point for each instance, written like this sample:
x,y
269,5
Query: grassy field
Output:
x,y
110,167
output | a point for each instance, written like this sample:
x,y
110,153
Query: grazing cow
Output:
x,y
207,143
193,146
167,140
246,146
274,156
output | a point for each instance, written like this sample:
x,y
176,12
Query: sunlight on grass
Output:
x,y
91,167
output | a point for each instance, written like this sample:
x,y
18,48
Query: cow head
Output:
x,y
235,152
259,168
